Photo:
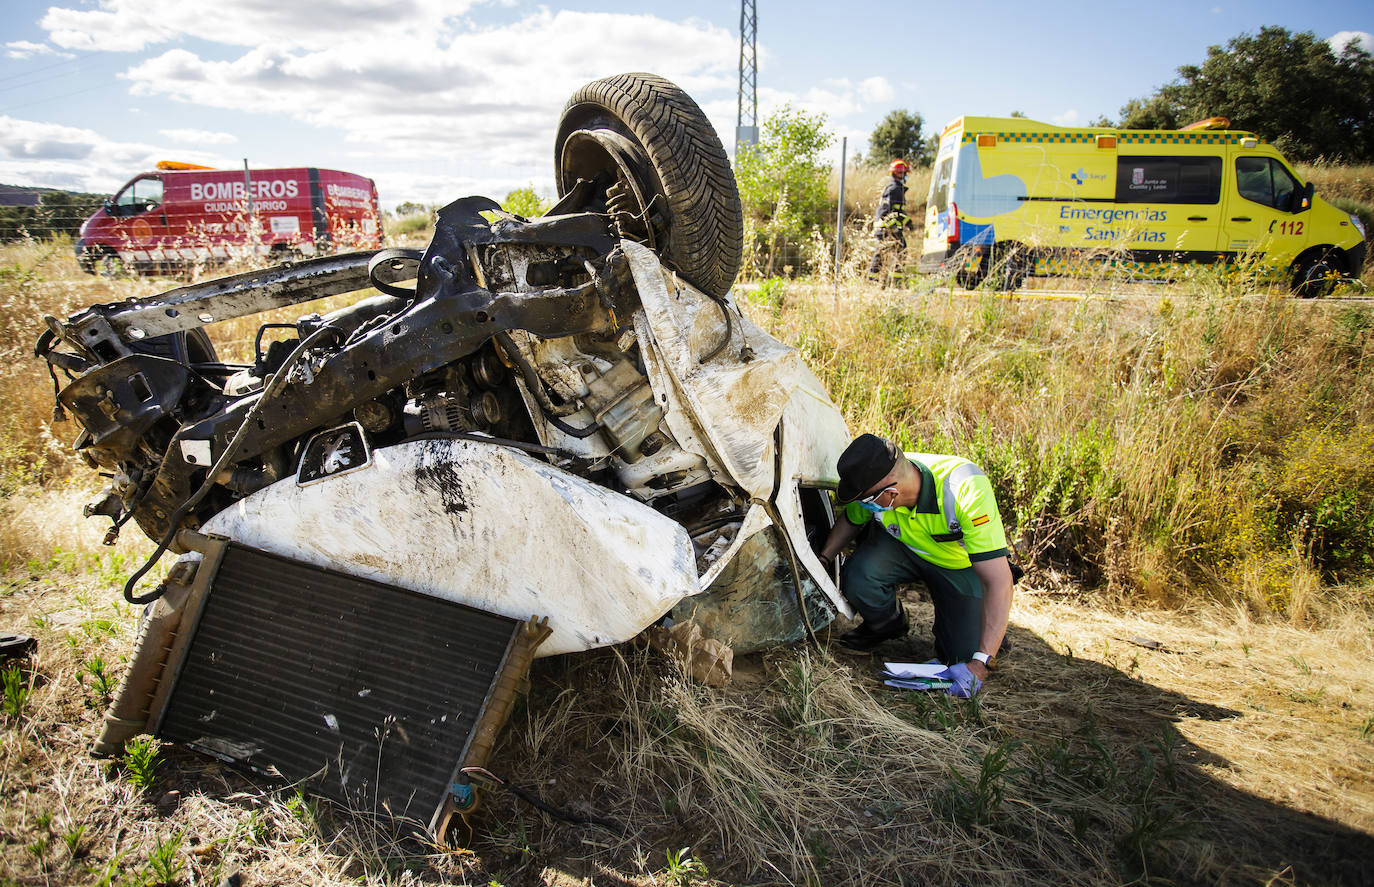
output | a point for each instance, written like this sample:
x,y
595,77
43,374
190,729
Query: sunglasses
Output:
x,y
873,500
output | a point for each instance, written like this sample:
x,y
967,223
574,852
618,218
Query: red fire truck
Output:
x,y
181,214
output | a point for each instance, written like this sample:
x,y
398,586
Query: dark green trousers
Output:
x,y
881,563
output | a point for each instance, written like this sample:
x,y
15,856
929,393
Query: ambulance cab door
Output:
x,y
1264,210
142,219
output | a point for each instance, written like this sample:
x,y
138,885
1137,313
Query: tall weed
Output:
x,y
1203,442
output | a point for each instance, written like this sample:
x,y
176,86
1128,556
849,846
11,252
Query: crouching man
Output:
x,y
920,516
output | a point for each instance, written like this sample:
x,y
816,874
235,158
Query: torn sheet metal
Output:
x,y
732,404
752,604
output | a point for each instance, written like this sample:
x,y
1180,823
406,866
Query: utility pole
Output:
x,y
747,133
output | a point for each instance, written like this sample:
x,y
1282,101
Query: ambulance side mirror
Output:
x,y
1302,199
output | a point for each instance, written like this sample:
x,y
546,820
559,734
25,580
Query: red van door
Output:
x,y
140,221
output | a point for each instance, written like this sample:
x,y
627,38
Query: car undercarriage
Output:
x,y
564,421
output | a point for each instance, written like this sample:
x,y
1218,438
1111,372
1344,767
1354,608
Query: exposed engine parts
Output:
x,y
598,338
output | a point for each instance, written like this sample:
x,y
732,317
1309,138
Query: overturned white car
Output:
x,y
566,432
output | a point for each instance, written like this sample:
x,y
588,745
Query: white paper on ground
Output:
x,y
917,684
913,669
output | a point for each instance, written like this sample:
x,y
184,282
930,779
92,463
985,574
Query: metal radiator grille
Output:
x,y
366,691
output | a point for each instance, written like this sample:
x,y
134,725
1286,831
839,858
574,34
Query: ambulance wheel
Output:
x,y
1316,278
651,159
1012,263
970,279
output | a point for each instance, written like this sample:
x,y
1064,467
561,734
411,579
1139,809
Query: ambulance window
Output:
x,y
1195,180
939,187
1265,180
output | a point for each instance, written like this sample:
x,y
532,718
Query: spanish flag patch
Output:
x,y
980,520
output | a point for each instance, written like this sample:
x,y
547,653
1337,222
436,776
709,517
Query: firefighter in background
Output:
x,y
890,220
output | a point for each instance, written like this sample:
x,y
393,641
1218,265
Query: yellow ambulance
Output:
x,y
1011,197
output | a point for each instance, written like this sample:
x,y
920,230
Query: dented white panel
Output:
x,y
813,436
488,526
735,404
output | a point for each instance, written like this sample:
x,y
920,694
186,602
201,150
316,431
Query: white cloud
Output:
x,y
22,49
836,98
131,25
422,99
58,156
484,100
1067,118
1363,39
198,136
876,89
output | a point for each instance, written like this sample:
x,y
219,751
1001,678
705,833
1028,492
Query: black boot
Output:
x,y
869,635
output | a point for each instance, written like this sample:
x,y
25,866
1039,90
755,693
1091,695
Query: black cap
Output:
x,y
862,464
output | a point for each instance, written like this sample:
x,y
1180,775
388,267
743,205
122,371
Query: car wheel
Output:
x,y
650,158
1316,279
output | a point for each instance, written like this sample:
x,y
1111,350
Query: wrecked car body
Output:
x,y
566,423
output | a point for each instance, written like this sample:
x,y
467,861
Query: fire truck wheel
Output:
x,y
657,166
110,265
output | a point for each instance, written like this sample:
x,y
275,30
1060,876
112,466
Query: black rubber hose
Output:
x,y
388,256
771,510
553,811
776,518
536,387
173,523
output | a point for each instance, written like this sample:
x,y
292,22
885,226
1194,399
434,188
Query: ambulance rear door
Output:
x,y
935,242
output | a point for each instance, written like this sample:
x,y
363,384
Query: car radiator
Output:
x,y
371,695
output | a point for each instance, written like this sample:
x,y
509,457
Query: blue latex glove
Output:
x,y
963,683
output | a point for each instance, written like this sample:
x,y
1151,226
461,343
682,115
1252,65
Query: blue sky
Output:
x,y
437,99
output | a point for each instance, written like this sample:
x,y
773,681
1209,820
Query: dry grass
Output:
x,y
1235,752
1240,750
1174,442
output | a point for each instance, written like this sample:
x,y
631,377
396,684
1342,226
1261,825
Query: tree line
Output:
x,y
1315,102
57,212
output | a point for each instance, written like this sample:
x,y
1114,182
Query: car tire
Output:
x,y
1316,278
684,190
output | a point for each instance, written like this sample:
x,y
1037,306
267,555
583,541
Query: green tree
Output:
x,y
1294,89
525,202
17,222
62,212
783,186
899,135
